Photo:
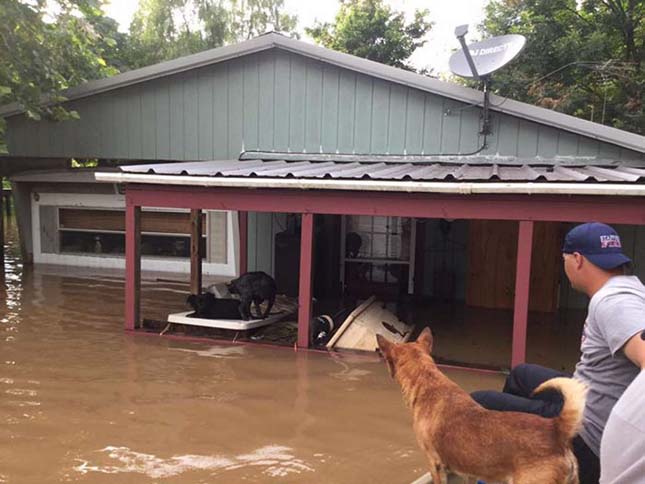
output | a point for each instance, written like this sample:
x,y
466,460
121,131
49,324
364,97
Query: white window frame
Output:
x,y
411,262
161,264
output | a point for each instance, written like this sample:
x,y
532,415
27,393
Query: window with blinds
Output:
x,y
101,232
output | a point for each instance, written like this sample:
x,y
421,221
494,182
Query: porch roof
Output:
x,y
446,169
473,174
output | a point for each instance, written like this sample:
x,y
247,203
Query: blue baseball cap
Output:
x,y
597,242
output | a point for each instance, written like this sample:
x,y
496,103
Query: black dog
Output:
x,y
207,306
253,287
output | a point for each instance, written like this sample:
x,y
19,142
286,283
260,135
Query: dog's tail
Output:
x,y
574,393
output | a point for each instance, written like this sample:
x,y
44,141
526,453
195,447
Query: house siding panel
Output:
x,y
281,101
433,124
235,108
276,100
205,114
163,120
220,113
414,122
346,111
363,114
330,106
266,66
191,117
297,69
133,124
313,107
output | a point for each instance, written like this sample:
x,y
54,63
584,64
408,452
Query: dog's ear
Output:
x,y
385,347
383,344
425,339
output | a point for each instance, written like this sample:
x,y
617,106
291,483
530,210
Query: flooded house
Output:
x,y
341,178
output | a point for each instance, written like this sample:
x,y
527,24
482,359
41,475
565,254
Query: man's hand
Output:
x,y
635,349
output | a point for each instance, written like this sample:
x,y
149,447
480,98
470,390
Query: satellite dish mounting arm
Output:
x,y
461,32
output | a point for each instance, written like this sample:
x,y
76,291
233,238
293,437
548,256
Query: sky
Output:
x,y
446,15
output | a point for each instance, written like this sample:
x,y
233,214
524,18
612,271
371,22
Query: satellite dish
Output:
x,y
480,59
486,56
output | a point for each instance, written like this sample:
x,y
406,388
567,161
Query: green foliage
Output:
x,y
371,29
166,29
50,46
89,163
582,58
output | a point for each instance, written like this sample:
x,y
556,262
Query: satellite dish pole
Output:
x,y
461,32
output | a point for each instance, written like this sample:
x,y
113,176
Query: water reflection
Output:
x,y
217,351
273,461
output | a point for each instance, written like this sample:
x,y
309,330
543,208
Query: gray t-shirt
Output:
x,y
622,452
616,313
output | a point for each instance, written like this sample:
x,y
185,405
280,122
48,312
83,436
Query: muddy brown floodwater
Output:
x,y
80,401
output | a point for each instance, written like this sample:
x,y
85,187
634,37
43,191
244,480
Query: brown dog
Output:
x,y
459,435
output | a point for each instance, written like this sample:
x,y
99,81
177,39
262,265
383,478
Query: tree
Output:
x,y
48,47
371,29
581,58
250,18
166,29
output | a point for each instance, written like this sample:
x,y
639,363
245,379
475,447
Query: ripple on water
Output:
x,y
276,461
217,351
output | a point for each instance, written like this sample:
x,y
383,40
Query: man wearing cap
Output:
x,y
613,352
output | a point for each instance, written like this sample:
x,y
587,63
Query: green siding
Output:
x,y
330,106
276,100
415,107
220,113
266,66
281,102
313,107
363,96
235,109
433,123
163,121
346,111
149,122
250,104
296,113
527,139
398,105
191,115
134,125
205,115
380,117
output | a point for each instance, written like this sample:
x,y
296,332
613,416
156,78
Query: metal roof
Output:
x,y
371,68
480,169
58,175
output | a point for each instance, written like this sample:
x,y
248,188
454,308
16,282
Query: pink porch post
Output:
x,y
132,264
195,251
244,241
2,223
304,293
522,280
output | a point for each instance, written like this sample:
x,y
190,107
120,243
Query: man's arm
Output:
x,y
635,349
